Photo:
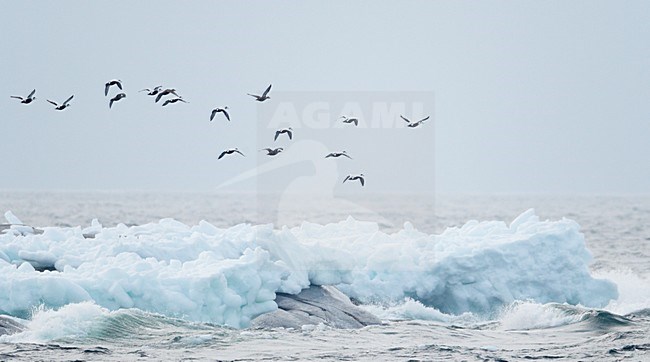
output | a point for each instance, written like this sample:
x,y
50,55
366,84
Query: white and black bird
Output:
x,y
230,151
174,100
264,95
272,151
62,106
165,92
116,98
338,154
113,82
220,110
152,92
288,131
28,99
347,119
414,124
354,178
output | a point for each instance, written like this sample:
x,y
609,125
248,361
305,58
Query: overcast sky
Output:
x,y
524,97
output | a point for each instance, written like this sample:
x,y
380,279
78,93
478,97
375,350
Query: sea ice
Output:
x,y
230,276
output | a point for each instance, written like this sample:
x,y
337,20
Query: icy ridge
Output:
x,y
230,276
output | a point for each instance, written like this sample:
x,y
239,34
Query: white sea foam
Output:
x,y
529,315
74,320
634,291
230,276
410,309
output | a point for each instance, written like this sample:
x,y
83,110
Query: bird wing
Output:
x,y
119,84
17,97
110,104
145,90
240,153
167,102
363,182
290,134
253,95
31,94
329,155
108,85
159,96
267,91
355,121
53,102
69,99
222,154
214,111
404,118
277,133
225,113
346,178
346,155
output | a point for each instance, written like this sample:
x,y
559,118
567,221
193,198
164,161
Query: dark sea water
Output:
x,y
616,228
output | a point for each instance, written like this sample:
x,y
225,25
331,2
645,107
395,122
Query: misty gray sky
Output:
x,y
525,97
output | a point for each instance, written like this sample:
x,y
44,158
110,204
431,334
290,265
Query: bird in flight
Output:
x,y
354,178
220,110
27,100
272,151
62,106
230,151
108,85
339,154
165,92
174,100
264,95
152,92
288,131
116,98
347,119
414,124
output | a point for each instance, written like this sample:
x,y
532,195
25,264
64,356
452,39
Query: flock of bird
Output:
x,y
173,97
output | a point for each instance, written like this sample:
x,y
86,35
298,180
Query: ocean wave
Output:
x,y
525,315
642,313
70,321
87,321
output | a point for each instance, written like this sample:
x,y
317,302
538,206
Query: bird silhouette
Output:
x,y
347,119
220,110
359,177
414,124
264,95
28,99
272,151
108,85
338,154
115,99
230,151
62,106
288,131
